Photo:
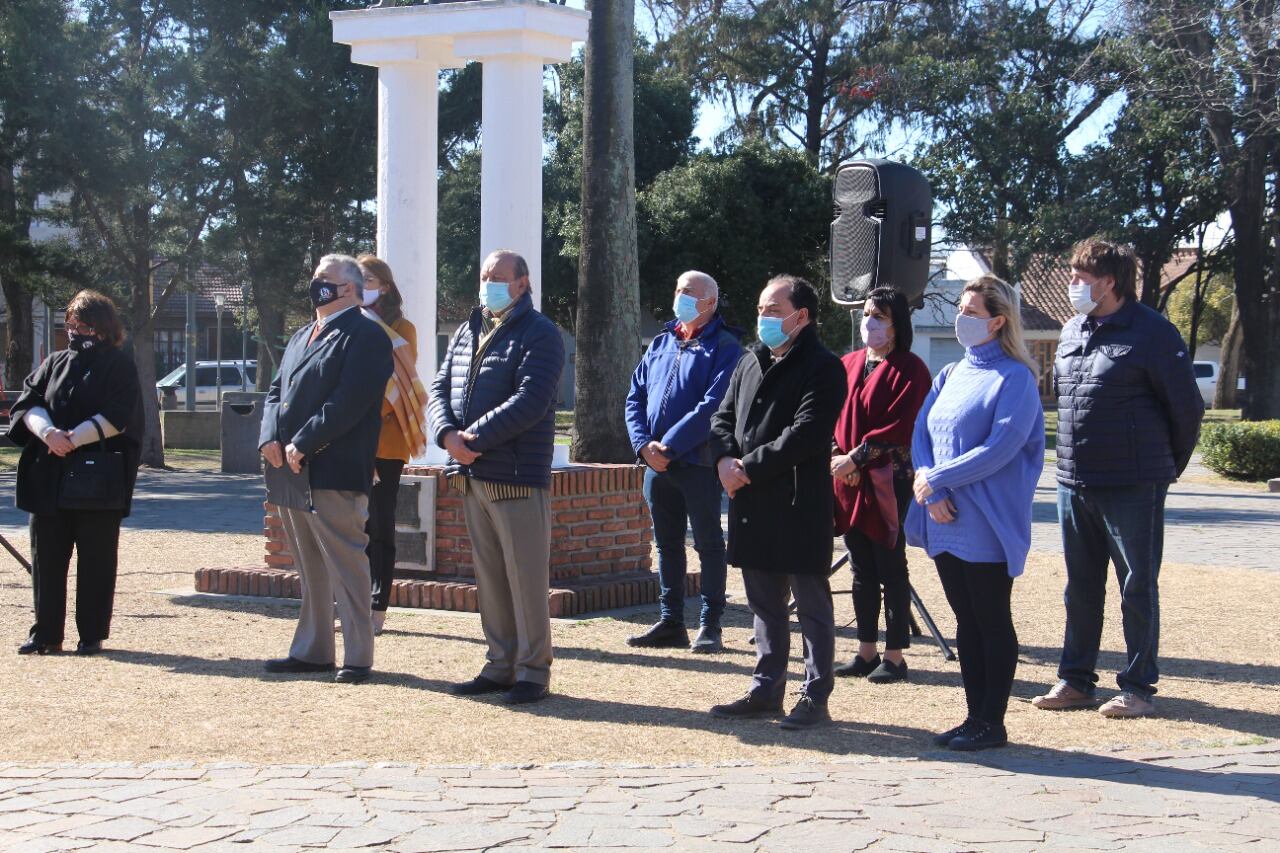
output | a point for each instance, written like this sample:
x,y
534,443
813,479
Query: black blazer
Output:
x,y
74,387
778,418
327,400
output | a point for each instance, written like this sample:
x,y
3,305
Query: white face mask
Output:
x,y
371,296
971,331
1081,296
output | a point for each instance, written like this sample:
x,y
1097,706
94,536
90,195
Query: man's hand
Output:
x,y
294,457
273,452
922,487
59,442
732,475
655,456
842,466
455,443
943,512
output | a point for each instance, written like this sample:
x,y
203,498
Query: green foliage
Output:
x,y
1214,317
1244,451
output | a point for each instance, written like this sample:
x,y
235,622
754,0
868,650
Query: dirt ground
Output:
x,y
183,679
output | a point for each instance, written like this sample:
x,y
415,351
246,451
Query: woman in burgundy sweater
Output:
x,y
872,474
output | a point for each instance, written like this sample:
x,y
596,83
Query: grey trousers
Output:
x,y
511,547
768,595
329,548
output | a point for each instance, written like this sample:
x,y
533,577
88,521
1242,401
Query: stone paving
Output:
x,y
1226,799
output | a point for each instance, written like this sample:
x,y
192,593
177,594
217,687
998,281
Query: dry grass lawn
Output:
x,y
183,680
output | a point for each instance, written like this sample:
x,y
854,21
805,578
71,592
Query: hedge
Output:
x,y
1244,451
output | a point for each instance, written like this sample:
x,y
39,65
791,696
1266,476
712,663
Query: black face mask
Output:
x,y
323,292
81,343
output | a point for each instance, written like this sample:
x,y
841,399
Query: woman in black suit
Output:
x,y
88,389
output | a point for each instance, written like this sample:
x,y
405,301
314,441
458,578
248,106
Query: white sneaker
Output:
x,y
1127,705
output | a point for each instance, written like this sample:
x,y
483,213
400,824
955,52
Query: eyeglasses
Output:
x,y
74,328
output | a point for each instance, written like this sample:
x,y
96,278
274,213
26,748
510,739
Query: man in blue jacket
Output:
x,y
675,390
324,411
492,407
1129,416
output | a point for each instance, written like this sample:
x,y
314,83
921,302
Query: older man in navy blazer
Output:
x,y
323,412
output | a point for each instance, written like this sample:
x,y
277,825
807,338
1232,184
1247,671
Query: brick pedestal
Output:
x,y
601,546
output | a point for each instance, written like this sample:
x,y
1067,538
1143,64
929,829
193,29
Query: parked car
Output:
x,y
1207,379
207,381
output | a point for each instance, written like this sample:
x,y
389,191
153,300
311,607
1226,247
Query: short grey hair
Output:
x,y
707,281
521,266
348,269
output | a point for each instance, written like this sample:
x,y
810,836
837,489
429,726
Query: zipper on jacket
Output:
x,y
795,485
671,379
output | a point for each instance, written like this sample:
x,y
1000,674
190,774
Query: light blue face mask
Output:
x,y
495,295
685,308
769,330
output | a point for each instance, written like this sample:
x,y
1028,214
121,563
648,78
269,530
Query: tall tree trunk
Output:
x,y
144,357
1152,273
270,328
1224,396
608,324
17,298
1259,309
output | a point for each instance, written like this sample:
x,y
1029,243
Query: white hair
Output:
x,y
713,289
348,269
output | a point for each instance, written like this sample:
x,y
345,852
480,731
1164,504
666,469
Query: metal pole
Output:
x,y
217,400
48,329
244,335
190,404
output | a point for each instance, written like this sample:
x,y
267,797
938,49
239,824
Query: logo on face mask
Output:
x,y
80,343
971,331
769,330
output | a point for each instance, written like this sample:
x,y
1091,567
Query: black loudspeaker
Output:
x,y
882,231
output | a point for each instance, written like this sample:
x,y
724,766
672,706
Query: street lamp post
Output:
x,y
219,302
244,335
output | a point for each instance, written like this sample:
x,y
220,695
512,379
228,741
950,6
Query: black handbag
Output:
x,y
93,479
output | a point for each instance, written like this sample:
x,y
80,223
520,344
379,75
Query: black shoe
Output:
x,y
949,735
983,736
748,706
353,674
709,640
292,664
807,714
888,672
859,667
86,649
477,686
32,647
524,692
663,635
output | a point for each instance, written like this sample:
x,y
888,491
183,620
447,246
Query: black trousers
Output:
x,y
381,528
768,595
95,536
979,594
875,566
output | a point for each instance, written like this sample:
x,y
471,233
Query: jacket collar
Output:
x,y
339,323
710,328
1121,317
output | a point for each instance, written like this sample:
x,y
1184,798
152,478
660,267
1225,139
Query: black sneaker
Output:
x,y
663,635
708,641
859,667
807,714
524,692
982,736
748,706
949,735
888,672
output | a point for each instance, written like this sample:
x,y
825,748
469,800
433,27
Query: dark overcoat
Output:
x,y
778,418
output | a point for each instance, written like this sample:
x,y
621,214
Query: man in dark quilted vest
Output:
x,y
1129,416
492,407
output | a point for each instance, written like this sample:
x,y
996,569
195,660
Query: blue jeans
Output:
x,y
1124,525
681,495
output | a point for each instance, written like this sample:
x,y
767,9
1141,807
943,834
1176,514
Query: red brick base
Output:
x,y
441,595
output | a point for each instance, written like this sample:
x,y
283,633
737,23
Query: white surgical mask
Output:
x,y
371,296
1081,296
971,331
875,332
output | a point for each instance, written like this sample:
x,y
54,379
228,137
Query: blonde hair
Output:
x,y
1001,300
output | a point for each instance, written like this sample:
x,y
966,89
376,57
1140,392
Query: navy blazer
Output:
x,y
327,400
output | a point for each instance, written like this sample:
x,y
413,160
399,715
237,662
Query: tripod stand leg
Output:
x,y
13,552
933,628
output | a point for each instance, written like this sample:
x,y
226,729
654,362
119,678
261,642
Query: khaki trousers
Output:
x,y
511,547
329,548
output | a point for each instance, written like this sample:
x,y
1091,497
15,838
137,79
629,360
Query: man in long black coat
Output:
x,y
771,440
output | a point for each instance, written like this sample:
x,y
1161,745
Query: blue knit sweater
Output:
x,y
980,439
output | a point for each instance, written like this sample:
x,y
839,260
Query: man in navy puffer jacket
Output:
x,y
675,390
492,407
1129,415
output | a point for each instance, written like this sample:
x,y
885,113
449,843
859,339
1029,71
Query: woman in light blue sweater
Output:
x,y
979,447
